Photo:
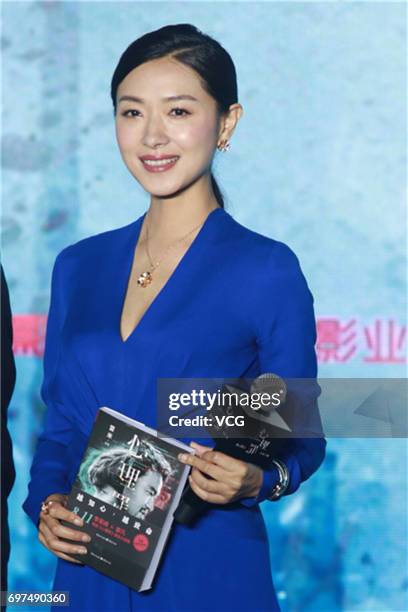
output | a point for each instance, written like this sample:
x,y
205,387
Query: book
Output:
x,y
128,486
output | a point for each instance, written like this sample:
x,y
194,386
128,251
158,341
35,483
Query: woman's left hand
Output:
x,y
219,478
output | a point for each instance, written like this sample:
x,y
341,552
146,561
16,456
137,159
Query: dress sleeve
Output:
x,y
286,336
48,472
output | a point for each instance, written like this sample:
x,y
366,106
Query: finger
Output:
x,y
225,467
205,466
57,545
43,541
50,522
211,486
213,498
57,510
200,448
67,558
228,463
61,531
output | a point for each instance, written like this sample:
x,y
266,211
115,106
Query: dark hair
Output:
x,y
105,469
188,45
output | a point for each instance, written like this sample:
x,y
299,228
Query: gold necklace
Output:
x,y
146,277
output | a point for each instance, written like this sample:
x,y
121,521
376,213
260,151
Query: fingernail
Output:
x,y
78,521
182,457
86,538
82,551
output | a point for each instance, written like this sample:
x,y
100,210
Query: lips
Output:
x,y
157,157
158,164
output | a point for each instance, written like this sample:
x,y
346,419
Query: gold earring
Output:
x,y
224,146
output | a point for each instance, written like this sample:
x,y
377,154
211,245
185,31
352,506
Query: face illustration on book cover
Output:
x,y
127,473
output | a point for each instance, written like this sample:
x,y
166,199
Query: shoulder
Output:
x,y
97,243
93,247
270,256
268,270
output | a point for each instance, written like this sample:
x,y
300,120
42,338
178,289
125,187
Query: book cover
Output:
x,y
128,486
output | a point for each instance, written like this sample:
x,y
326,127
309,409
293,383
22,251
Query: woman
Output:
x,y
184,291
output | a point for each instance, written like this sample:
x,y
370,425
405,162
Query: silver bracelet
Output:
x,y
283,483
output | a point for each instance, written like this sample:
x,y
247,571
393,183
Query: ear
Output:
x,y
229,121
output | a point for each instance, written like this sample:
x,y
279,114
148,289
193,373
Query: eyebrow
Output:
x,y
167,99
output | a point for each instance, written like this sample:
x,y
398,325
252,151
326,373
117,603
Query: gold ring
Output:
x,y
45,506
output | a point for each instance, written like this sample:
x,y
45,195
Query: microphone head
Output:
x,y
272,384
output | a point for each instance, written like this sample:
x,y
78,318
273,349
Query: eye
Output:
x,y
132,112
126,113
181,109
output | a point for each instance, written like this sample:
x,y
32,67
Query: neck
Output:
x,y
171,217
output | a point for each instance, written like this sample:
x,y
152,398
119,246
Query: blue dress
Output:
x,y
237,305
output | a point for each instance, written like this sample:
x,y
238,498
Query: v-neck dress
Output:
x,y
237,305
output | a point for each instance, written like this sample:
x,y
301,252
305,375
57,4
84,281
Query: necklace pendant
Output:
x,y
144,279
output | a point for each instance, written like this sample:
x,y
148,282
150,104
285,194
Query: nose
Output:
x,y
150,503
155,133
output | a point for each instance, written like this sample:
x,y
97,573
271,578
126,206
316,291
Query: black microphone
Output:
x,y
259,444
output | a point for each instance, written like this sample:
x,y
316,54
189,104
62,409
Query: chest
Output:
x,y
196,309
139,297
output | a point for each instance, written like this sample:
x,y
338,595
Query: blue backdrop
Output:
x,y
317,161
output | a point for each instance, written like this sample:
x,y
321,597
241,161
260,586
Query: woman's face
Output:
x,y
149,124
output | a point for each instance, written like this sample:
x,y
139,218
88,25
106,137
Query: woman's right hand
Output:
x,y
50,529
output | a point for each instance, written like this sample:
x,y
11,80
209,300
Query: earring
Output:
x,y
224,146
